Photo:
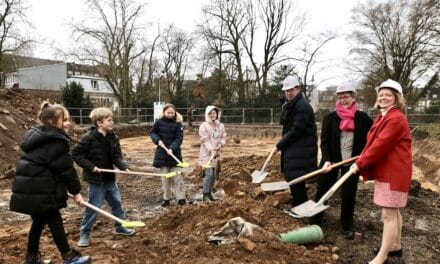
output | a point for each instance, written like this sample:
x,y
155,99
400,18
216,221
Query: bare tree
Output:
x,y
176,45
114,41
145,68
399,40
311,62
233,21
216,45
278,32
12,39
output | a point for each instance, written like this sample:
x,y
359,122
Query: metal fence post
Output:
x,y
80,116
242,116
271,116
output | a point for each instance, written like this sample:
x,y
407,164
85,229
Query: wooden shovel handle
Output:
x,y
322,170
268,158
132,172
336,186
211,158
171,154
94,208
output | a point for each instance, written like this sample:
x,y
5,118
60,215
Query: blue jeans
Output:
x,y
208,180
97,193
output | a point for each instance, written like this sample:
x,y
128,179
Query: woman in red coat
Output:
x,y
387,160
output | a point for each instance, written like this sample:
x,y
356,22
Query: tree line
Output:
x,y
241,50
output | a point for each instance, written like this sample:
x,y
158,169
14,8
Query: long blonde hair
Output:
x,y
49,114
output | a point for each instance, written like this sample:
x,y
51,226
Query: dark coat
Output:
x,y
96,150
298,144
331,136
43,172
170,131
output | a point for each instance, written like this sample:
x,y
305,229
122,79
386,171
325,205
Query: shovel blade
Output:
x,y
274,186
307,209
132,224
258,176
207,166
170,174
183,164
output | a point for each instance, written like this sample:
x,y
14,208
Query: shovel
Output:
x,y
281,185
166,175
179,163
208,164
124,223
311,208
258,176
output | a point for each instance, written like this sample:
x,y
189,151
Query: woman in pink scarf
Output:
x,y
343,135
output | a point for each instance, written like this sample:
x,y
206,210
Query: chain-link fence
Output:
x,y
254,116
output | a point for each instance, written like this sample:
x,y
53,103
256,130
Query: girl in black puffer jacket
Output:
x,y
43,173
167,132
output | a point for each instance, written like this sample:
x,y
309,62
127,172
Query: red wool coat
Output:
x,y
387,154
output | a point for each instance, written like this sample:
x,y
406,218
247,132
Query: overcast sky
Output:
x,y
51,17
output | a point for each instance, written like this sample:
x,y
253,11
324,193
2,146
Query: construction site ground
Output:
x,y
179,234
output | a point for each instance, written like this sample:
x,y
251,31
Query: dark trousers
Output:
x,y
55,222
348,195
299,193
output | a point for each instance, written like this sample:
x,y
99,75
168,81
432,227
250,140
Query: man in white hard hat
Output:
x,y
343,135
298,144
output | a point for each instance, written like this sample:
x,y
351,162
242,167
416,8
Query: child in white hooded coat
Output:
x,y
212,136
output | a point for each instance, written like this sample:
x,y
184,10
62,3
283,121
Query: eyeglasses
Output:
x,y
344,97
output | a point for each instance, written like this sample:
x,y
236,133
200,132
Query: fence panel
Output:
x,y
268,116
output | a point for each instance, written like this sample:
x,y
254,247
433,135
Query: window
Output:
x,y
95,84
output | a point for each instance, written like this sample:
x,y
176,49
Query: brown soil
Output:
x,y
179,234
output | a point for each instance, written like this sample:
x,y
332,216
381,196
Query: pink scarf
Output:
x,y
347,117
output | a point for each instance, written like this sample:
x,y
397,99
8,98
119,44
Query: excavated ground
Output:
x,y
179,234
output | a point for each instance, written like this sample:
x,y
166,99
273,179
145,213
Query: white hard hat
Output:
x,y
390,84
290,82
345,87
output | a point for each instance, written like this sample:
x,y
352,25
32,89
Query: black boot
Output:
x,y
208,197
181,202
165,203
35,258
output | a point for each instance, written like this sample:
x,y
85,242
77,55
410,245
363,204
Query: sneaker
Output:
x,y
83,240
208,197
74,257
120,230
35,258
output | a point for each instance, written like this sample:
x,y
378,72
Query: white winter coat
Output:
x,y
211,135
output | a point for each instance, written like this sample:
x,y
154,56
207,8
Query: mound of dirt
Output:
x,y
18,111
179,234
426,156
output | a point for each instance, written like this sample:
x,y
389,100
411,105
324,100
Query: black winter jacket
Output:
x,y
96,150
170,131
298,144
331,136
43,172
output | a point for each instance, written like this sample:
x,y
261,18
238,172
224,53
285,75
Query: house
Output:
x,y
45,78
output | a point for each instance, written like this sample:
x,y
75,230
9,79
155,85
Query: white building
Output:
x,y
49,78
